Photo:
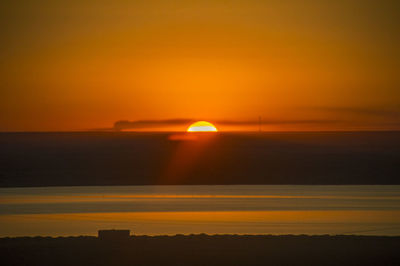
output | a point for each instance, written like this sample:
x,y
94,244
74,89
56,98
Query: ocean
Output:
x,y
129,158
210,209
75,183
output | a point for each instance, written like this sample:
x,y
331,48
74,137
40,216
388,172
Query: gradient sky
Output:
x,y
300,65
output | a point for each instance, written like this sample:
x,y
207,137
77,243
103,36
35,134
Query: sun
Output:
x,y
202,126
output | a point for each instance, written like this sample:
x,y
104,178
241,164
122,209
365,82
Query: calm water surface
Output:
x,y
154,210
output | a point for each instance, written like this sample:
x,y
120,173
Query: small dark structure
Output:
x,y
114,235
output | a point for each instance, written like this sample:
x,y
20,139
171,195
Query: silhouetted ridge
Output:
x,y
203,250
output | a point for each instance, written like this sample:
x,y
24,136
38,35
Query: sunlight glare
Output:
x,y
202,126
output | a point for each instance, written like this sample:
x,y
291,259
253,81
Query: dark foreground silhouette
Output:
x,y
202,250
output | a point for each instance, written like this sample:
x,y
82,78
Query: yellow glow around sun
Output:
x,y
202,126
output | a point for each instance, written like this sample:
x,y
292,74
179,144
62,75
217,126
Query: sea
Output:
x,y
195,209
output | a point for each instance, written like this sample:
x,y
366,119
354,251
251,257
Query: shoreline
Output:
x,y
204,235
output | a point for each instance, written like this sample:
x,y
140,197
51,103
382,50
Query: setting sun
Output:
x,y
202,126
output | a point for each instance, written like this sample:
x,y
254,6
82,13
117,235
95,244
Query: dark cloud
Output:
x,y
273,122
367,111
389,117
148,124
141,124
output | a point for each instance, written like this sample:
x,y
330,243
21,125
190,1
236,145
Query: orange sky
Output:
x,y
314,65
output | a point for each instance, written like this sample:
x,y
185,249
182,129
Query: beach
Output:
x,y
210,209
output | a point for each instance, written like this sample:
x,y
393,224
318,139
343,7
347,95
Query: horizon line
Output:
x,y
182,131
